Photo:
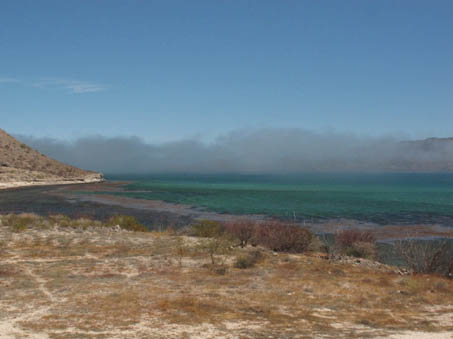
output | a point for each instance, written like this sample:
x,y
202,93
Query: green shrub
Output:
x,y
82,222
207,229
19,228
20,222
60,220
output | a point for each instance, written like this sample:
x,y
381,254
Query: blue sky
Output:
x,y
166,70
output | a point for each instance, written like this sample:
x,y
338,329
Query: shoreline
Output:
x,y
391,231
65,198
24,184
329,226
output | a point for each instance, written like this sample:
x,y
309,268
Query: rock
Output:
x,y
403,292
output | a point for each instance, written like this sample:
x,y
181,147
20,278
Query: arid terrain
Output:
x,y
61,278
21,165
84,278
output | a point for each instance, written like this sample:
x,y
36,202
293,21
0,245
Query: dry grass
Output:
x,y
98,282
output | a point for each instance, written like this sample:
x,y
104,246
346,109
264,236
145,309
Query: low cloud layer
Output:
x,y
258,151
69,85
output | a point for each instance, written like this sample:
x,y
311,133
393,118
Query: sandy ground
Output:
x,y
18,184
107,283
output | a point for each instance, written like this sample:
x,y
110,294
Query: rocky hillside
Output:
x,y
21,165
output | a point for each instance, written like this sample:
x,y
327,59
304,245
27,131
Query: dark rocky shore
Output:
x,y
59,200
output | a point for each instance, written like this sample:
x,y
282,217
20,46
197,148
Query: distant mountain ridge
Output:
x,y
427,155
275,152
432,142
20,165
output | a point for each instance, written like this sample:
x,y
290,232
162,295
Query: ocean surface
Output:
x,y
379,198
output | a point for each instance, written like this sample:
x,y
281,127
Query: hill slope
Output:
x,y
21,165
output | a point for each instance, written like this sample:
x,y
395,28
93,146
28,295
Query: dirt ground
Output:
x,y
99,282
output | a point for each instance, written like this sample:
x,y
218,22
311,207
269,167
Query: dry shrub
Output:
x,y
243,230
249,260
218,269
317,244
427,256
441,287
215,247
362,250
170,230
181,249
127,222
356,243
191,309
346,238
281,237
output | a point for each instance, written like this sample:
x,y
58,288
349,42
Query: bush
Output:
x,y
218,269
354,243
427,256
60,220
347,238
127,222
20,222
243,230
281,237
362,250
214,247
249,260
82,222
207,229
181,249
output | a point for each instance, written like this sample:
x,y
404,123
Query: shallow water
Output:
x,y
51,200
379,198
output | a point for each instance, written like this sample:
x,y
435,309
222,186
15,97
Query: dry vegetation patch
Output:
x,y
94,281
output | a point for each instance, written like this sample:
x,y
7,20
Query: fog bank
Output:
x,y
251,151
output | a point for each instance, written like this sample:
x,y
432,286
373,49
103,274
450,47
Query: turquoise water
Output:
x,y
381,198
